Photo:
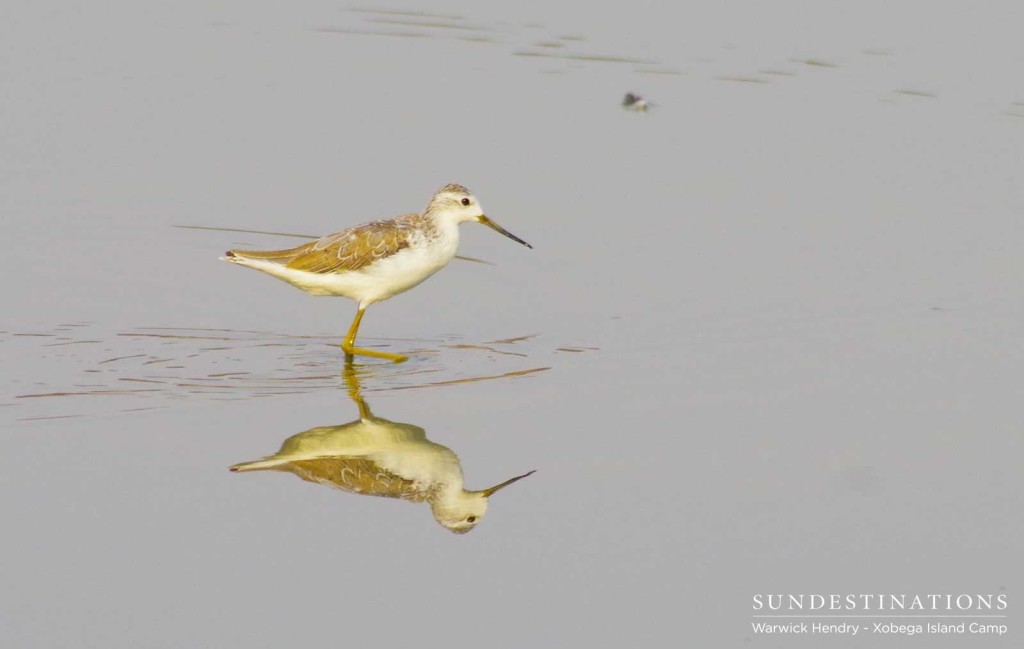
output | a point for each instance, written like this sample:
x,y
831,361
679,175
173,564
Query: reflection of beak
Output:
x,y
488,492
494,226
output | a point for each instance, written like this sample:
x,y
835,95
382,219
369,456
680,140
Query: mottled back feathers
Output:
x,y
347,250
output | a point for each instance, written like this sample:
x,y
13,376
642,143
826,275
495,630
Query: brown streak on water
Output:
x,y
514,339
461,381
431,24
410,13
741,79
73,342
485,348
81,394
120,358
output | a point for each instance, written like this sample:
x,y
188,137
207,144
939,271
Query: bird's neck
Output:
x,y
445,231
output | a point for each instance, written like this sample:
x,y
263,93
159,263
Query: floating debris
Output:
x,y
635,103
915,93
818,63
741,79
665,71
590,58
412,14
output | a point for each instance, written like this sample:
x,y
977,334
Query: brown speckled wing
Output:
x,y
356,247
357,475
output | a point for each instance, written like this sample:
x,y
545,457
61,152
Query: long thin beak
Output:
x,y
488,492
494,226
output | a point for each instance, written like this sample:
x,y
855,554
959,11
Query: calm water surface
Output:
x,y
768,340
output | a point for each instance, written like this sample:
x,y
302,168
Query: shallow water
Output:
x,y
768,340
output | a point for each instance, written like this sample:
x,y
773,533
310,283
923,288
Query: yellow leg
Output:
x,y
351,376
349,344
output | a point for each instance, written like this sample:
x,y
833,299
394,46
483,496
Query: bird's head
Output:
x,y
460,511
456,203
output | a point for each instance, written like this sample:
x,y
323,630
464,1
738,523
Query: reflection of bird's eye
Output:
x,y
465,201
471,519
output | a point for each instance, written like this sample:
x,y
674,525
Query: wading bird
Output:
x,y
372,262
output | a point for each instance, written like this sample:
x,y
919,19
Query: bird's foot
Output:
x,y
351,352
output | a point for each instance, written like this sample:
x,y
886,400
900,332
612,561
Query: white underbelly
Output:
x,y
378,281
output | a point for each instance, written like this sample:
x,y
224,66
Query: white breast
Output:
x,y
384,278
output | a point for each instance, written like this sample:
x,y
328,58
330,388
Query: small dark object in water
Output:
x,y
635,102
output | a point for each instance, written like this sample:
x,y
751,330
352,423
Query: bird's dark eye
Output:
x,y
471,519
465,201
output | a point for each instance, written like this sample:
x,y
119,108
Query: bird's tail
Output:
x,y
273,256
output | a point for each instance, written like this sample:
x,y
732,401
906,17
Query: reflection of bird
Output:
x,y
377,457
372,262
635,102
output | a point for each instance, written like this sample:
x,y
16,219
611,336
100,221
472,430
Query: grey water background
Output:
x,y
768,341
